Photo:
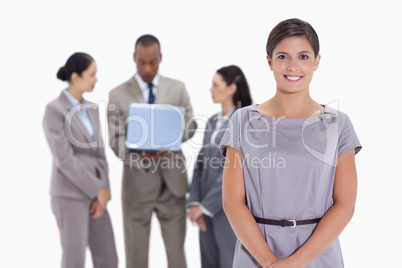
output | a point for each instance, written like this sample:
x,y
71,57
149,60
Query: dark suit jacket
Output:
x,y
206,184
79,167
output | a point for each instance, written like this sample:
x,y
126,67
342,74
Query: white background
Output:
x,y
361,51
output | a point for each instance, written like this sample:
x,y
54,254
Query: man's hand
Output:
x,y
155,156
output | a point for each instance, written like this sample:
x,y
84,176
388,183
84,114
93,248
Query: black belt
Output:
x,y
286,223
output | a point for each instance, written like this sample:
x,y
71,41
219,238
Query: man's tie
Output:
x,y
151,97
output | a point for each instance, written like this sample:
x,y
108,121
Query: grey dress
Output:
x,y
289,167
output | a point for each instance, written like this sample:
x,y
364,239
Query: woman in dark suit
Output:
x,y
217,240
79,183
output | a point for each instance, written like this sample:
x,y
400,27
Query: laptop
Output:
x,y
151,127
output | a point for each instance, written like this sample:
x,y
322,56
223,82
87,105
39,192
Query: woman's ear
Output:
x,y
317,62
269,62
233,88
74,77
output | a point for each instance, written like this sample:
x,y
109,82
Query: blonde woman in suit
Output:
x,y
79,183
217,240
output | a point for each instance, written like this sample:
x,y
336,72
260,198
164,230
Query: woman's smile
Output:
x,y
293,78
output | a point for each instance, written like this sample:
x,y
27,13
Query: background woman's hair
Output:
x,y
76,63
289,28
234,75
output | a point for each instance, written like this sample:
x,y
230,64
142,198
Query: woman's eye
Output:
x,y
282,57
303,57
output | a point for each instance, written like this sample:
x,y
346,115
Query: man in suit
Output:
x,y
148,186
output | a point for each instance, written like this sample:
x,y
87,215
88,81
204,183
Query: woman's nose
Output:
x,y
292,66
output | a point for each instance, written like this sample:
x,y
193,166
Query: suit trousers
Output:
x,y
218,243
78,230
171,213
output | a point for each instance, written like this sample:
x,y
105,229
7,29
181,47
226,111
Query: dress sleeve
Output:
x,y
348,139
231,137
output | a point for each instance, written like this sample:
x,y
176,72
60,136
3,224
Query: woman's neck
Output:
x,y
227,107
291,106
75,92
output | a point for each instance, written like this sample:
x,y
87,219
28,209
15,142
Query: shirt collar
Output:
x,y
220,116
74,102
220,119
143,85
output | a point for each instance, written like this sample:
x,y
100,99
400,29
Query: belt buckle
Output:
x,y
294,223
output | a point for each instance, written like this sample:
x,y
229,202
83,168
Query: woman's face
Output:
x,y
220,91
293,64
86,82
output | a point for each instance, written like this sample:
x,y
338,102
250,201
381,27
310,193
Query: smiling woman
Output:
x,y
293,64
290,216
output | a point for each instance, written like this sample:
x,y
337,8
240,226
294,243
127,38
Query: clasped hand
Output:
x,y
285,263
196,215
148,156
99,204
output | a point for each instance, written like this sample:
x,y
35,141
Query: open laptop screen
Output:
x,y
151,127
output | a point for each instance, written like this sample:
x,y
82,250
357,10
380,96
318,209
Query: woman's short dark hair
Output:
x,y
289,28
76,63
234,75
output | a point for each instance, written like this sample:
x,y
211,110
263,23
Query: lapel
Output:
x,y
93,115
212,122
222,130
134,90
77,123
226,122
161,94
